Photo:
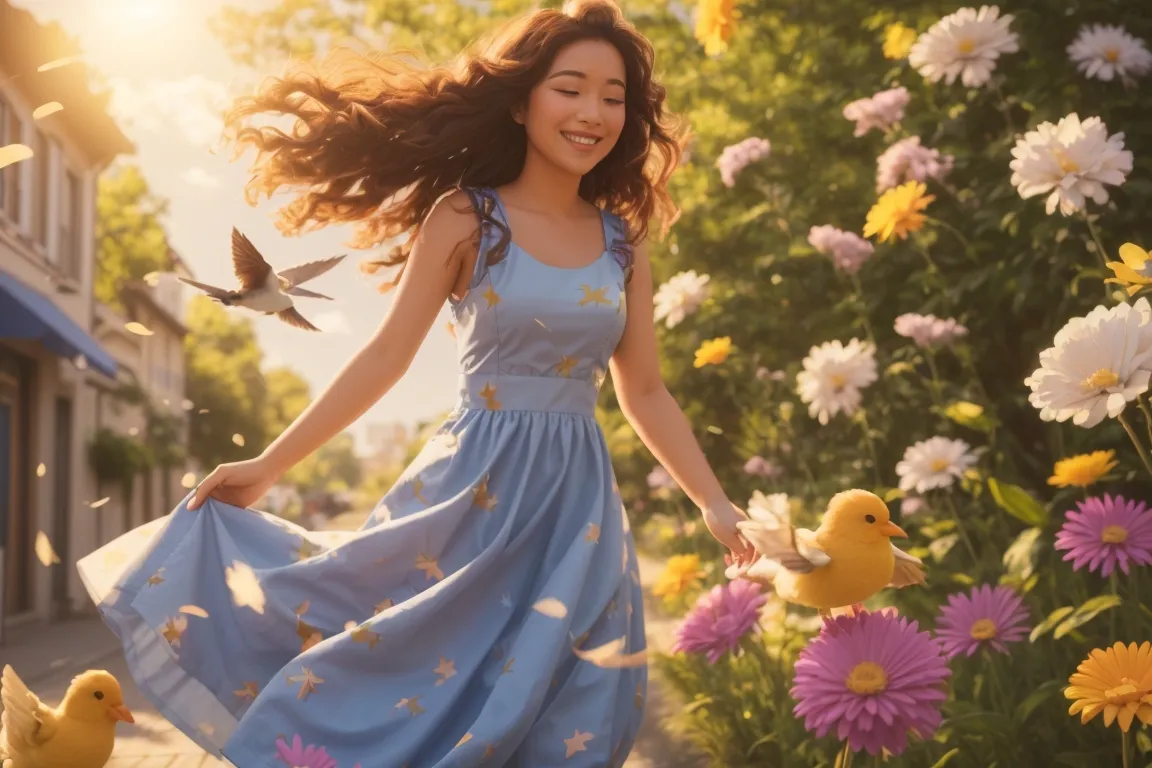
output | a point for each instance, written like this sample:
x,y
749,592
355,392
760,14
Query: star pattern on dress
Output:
x,y
156,578
594,296
506,600
488,394
577,743
593,534
305,550
491,297
418,490
308,682
507,670
482,498
489,752
565,366
638,697
446,669
174,629
464,740
249,690
382,606
363,634
430,566
412,704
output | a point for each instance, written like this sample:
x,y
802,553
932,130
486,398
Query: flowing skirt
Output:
x,y
488,612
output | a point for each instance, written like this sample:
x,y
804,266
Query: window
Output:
x,y
10,130
71,216
41,158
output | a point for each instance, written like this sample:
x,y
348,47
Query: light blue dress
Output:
x,y
488,612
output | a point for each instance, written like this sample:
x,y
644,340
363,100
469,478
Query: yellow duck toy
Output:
x,y
849,558
80,733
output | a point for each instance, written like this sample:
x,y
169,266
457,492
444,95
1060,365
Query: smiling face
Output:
x,y
574,116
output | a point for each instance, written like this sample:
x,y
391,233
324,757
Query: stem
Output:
x,y
936,274
1100,251
844,759
871,447
1143,401
1124,750
1112,582
957,233
859,301
1006,110
960,527
1135,441
937,387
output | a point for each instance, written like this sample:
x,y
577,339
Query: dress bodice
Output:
x,y
531,336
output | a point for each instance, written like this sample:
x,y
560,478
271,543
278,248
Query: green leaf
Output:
x,y
941,546
1018,502
969,415
1086,612
759,743
947,756
963,578
1046,626
1042,693
1020,557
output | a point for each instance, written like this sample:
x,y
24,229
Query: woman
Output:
x,y
451,629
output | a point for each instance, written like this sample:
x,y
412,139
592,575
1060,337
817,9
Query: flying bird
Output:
x,y
80,733
264,290
849,558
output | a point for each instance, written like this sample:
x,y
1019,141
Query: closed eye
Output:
x,y
577,93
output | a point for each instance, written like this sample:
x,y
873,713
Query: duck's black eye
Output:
x,y
99,695
870,518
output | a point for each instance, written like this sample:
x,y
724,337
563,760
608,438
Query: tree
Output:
x,y
332,467
130,236
287,395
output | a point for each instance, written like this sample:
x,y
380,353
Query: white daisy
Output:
x,y
1099,363
1104,51
833,376
1072,160
934,463
680,296
965,44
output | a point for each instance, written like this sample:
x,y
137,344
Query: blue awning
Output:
x,y
28,314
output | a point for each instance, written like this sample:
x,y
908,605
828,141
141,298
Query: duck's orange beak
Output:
x,y
121,713
890,529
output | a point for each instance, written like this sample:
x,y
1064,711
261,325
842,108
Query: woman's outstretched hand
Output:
x,y
240,484
721,522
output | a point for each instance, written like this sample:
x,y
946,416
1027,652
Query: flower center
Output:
x,y
1127,691
1067,164
1102,379
838,381
867,677
983,629
939,465
1112,54
1114,534
966,46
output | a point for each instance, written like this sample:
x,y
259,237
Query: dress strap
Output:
x,y
495,236
616,235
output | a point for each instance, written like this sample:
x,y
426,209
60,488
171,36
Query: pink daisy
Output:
x,y
1107,532
986,616
720,618
872,678
300,756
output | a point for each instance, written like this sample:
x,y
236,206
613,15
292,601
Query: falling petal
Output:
x,y
238,439
245,586
187,405
57,63
613,660
152,279
44,110
80,362
133,431
41,470
194,610
100,503
350,625
14,153
44,551
552,607
189,480
202,410
138,329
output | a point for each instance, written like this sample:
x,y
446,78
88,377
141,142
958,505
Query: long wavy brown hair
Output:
x,y
378,140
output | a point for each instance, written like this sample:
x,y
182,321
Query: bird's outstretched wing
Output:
x,y
295,319
909,569
211,290
775,539
251,269
305,272
26,721
296,290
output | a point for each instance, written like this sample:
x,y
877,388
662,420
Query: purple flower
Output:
x,y
1107,532
720,618
929,330
907,160
300,756
985,616
848,250
761,467
910,505
659,479
881,111
872,677
737,157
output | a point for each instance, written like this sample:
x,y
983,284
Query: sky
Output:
x,y
170,78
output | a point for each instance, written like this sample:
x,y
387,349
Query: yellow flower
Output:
x,y
714,23
1082,470
1136,270
1116,681
713,351
898,212
898,40
680,573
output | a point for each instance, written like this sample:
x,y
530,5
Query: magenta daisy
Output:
x,y
986,616
300,756
720,618
872,678
1107,532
